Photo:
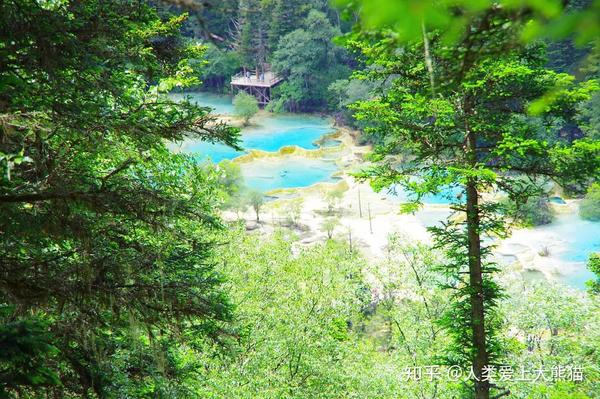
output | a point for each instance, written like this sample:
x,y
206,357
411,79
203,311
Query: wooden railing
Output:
x,y
269,79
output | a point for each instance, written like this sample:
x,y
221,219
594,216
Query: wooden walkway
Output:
x,y
269,79
258,86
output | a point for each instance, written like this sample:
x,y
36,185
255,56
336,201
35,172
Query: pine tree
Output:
x,y
106,236
458,110
252,42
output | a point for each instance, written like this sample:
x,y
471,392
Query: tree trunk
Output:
x,y
480,357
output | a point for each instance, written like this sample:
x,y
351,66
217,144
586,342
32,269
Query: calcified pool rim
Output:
x,y
276,137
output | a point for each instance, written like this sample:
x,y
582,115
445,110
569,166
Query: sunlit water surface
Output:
x,y
287,172
269,133
579,238
221,104
570,238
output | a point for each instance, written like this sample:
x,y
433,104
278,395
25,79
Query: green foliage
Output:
x,y
231,181
286,16
333,197
589,208
409,305
231,177
309,61
328,226
344,92
26,354
559,391
256,200
299,329
104,231
547,19
220,66
252,35
594,266
459,109
249,35
589,111
309,327
589,117
291,211
245,106
536,211
294,312
559,327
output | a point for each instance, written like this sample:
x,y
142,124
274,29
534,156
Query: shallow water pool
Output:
x,y
268,132
288,172
570,240
219,102
581,238
444,197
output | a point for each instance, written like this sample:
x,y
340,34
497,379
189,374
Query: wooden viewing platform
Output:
x,y
258,85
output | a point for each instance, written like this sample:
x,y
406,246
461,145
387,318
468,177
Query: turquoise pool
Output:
x,y
288,172
582,238
444,197
219,102
569,241
267,133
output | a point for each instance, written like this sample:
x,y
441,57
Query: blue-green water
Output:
x,y
581,238
570,241
446,196
557,200
269,132
221,104
287,172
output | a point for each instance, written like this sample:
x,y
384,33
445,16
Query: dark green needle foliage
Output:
x,y
26,351
472,111
105,235
594,266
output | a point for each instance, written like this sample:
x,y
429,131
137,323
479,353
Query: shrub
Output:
x,y
245,106
256,200
535,211
590,206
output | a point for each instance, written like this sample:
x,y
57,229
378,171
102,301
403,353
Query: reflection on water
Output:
x,y
288,172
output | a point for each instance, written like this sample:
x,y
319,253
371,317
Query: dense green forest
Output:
x,y
294,38
120,276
